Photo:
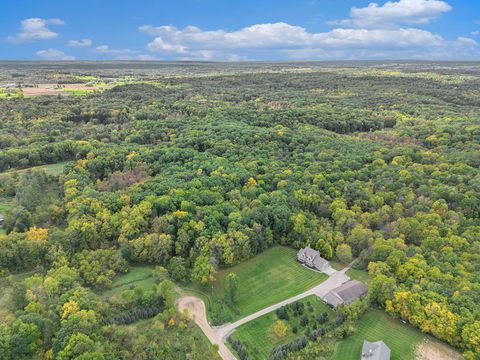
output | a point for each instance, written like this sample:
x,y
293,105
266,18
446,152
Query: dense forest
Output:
x,y
194,171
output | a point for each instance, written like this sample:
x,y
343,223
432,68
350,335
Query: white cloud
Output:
x,y
35,29
378,38
124,54
279,40
467,41
387,30
105,49
79,43
53,54
395,13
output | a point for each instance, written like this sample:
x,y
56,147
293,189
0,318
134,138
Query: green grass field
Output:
x,y
141,276
86,78
78,92
259,332
268,278
359,275
376,325
51,169
5,204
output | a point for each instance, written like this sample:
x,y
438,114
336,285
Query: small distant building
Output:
x,y
312,259
375,351
346,293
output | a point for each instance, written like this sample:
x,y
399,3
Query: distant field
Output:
x,y
376,325
259,332
68,89
268,278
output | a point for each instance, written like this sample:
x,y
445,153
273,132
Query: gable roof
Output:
x,y
313,256
319,262
351,290
310,252
346,293
375,351
333,299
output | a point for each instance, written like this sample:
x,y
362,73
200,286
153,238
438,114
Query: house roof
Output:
x,y
346,293
375,351
320,262
333,299
317,260
310,252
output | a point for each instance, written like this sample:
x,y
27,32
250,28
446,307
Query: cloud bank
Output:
x,y
391,30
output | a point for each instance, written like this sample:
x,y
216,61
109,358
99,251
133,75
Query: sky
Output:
x,y
231,30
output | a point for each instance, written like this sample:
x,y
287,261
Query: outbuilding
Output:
x,y
345,293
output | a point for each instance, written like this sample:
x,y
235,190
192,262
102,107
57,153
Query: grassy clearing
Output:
x,y
259,333
50,169
376,325
5,204
268,278
359,275
136,273
140,276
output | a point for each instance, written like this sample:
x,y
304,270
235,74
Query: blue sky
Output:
x,y
228,30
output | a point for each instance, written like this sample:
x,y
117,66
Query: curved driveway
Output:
x,y
218,335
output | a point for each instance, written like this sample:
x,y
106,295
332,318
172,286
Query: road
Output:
x,y
218,335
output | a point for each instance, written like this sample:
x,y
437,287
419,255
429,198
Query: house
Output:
x,y
346,293
312,259
375,351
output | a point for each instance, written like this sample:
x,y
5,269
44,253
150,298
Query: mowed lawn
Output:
x,y
264,280
259,333
376,325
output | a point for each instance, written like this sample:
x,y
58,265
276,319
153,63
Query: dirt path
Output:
x,y
218,335
196,309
